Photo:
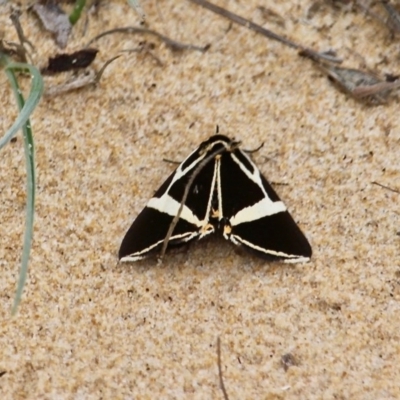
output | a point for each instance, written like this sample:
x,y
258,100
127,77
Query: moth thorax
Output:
x,y
206,229
225,226
227,230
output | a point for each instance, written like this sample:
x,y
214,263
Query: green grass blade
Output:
x,y
32,101
76,12
30,169
31,188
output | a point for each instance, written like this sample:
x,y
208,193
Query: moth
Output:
x,y
216,189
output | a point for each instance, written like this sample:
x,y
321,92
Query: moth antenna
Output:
x,y
254,150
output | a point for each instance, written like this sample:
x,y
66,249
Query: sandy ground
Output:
x,y
88,328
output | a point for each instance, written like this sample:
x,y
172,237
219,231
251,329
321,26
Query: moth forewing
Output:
x,y
147,234
256,217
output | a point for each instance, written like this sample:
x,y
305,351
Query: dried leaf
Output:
x,y
67,62
87,78
55,21
360,84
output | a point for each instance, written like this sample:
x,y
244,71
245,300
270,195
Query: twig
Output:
x,y
173,44
144,51
196,172
257,28
221,379
386,187
20,49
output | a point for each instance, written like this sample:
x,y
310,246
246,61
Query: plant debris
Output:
x,y
288,360
173,44
88,77
67,62
54,20
359,84
259,29
20,49
386,187
221,379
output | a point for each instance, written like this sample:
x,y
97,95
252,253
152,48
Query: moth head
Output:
x,y
219,144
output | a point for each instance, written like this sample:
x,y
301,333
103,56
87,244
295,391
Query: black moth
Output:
x,y
217,188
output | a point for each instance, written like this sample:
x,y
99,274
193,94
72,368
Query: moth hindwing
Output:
x,y
217,188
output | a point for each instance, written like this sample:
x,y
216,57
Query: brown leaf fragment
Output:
x,y
289,360
350,78
87,78
359,84
54,20
381,88
67,62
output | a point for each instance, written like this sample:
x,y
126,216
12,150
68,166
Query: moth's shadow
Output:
x,y
212,253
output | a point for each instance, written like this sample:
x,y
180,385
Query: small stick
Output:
x,y
196,172
221,379
257,28
174,45
145,52
386,187
245,22
21,50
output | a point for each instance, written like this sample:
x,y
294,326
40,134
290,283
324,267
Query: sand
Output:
x,y
90,328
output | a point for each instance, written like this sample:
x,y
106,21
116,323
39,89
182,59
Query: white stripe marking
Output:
x,y
255,176
185,237
289,258
263,208
168,205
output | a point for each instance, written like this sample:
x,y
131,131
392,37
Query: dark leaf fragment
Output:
x,y
67,62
